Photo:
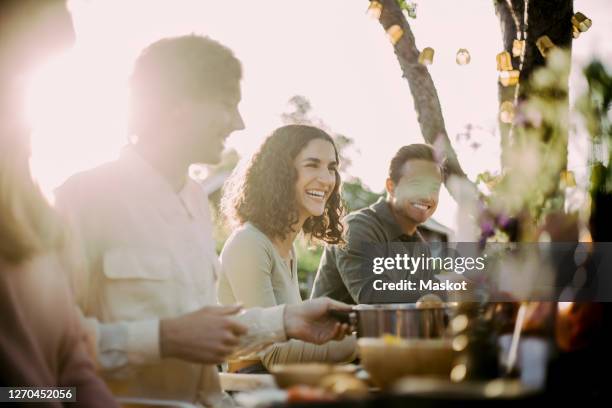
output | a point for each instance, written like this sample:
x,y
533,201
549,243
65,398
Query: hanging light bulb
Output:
x,y
504,61
463,57
517,47
509,78
506,112
426,56
374,10
394,33
545,45
581,22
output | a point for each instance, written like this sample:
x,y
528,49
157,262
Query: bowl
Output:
x,y
288,375
389,358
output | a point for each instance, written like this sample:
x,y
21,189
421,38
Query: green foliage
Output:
x,y
595,107
308,259
407,7
356,195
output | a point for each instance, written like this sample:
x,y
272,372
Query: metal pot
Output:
x,y
407,321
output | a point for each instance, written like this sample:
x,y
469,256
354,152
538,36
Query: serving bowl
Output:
x,y
388,358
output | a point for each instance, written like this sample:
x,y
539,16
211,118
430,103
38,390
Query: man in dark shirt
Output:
x,y
353,272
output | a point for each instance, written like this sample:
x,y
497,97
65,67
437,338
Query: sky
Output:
x,y
326,50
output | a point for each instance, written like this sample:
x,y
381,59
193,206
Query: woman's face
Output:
x,y
316,169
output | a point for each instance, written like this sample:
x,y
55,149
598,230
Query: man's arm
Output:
x,y
114,346
76,367
354,261
206,336
365,242
310,321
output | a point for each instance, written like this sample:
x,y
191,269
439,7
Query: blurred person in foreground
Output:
x,y
148,282
41,340
380,230
290,185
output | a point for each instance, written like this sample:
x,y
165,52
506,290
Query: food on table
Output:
x,y
345,385
429,300
391,339
306,393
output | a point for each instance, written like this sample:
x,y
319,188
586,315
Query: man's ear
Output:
x,y
390,187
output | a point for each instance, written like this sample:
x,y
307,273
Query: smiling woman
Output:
x,y
290,185
280,190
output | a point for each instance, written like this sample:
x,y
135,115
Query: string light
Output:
x,y
517,25
374,10
545,45
506,114
394,33
509,78
504,61
426,56
581,22
463,57
517,47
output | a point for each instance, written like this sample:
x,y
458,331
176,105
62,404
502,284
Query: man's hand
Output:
x,y
311,321
206,336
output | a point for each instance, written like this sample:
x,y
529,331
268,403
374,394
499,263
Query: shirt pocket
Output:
x,y
139,284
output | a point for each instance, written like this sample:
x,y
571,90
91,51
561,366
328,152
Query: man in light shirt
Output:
x,y
148,289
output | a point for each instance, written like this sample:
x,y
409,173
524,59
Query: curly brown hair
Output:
x,y
264,192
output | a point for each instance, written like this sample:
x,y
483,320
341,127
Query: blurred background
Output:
x,y
317,61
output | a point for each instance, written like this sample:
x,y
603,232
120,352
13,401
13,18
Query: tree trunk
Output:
x,y
545,17
422,88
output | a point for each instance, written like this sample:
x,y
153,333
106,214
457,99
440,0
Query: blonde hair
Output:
x,y
28,225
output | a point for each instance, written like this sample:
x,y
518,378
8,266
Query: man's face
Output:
x,y
203,125
416,194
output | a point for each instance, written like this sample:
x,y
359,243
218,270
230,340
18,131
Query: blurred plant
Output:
x,y
528,189
408,8
308,256
595,107
356,195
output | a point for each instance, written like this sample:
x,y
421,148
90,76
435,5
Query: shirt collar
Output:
x,y
152,181
382,209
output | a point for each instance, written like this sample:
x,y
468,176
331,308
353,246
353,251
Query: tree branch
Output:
x,y
423,90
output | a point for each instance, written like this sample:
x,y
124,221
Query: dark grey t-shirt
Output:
x,y
345,272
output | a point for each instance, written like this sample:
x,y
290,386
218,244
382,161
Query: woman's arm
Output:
x,y
246,264
296,351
